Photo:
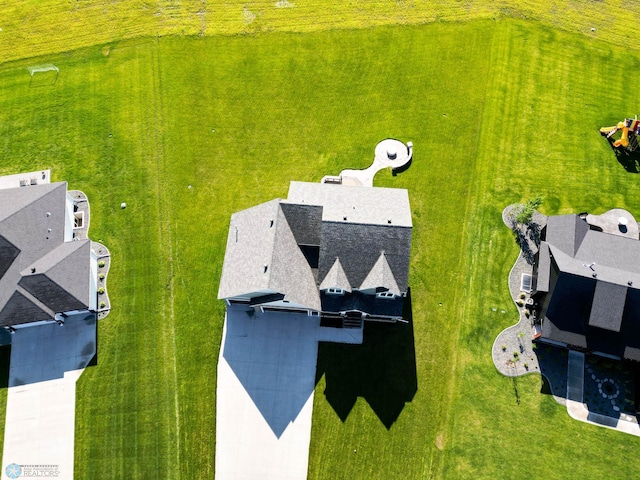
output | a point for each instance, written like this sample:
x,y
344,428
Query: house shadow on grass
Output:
x,y
382,370
5,358
554,370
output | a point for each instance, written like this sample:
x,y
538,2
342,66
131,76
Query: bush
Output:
x,y
524,213
520,303
101,290
522,295
102,304
101,276
504,347
101,263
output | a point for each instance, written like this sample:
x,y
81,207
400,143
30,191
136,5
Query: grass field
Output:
x,y
31,27
498,110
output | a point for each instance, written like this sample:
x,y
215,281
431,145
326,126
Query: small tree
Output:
x,y
524,213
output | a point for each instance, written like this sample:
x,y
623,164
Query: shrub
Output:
x,y
101,263
504,347
102,304
522,295
516,354
525,212
101,290
520,303
526,365
101,276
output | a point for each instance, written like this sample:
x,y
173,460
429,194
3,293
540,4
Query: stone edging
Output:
x,y
518,337
103,255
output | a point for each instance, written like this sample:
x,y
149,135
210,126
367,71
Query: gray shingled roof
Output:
x,y
305,222
619,253
336,278
381,275
608,306
262,256
359,246
566,232
370,205
594,299
274,247
543,268
32,222
54,279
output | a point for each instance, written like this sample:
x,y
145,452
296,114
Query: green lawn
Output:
x,y
31,27
498,111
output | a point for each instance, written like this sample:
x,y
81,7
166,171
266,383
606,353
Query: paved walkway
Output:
x,y
575,398
46,362
389,153
264,396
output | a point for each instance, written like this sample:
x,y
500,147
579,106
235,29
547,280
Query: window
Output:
x,y
335,291
78,219
388,295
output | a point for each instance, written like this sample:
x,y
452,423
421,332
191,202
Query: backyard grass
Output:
x,y
498,111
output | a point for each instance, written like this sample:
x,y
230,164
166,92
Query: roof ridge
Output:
x,y
272,245
32,298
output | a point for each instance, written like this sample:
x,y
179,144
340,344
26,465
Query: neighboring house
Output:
x,y
587,284
48,268
337,251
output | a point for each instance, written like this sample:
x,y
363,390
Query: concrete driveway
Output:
x,y
46,362
264,398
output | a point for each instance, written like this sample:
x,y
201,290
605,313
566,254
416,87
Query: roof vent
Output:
x,y
388,220
271,223
595,275
630,283
265,268
48,214
344,218
33,269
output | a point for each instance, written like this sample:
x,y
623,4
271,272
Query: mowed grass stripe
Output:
x,y
297,107
125,404
565,160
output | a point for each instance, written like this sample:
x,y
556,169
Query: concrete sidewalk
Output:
x,y
46,362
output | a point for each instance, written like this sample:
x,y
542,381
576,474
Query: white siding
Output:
x,y
68,220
